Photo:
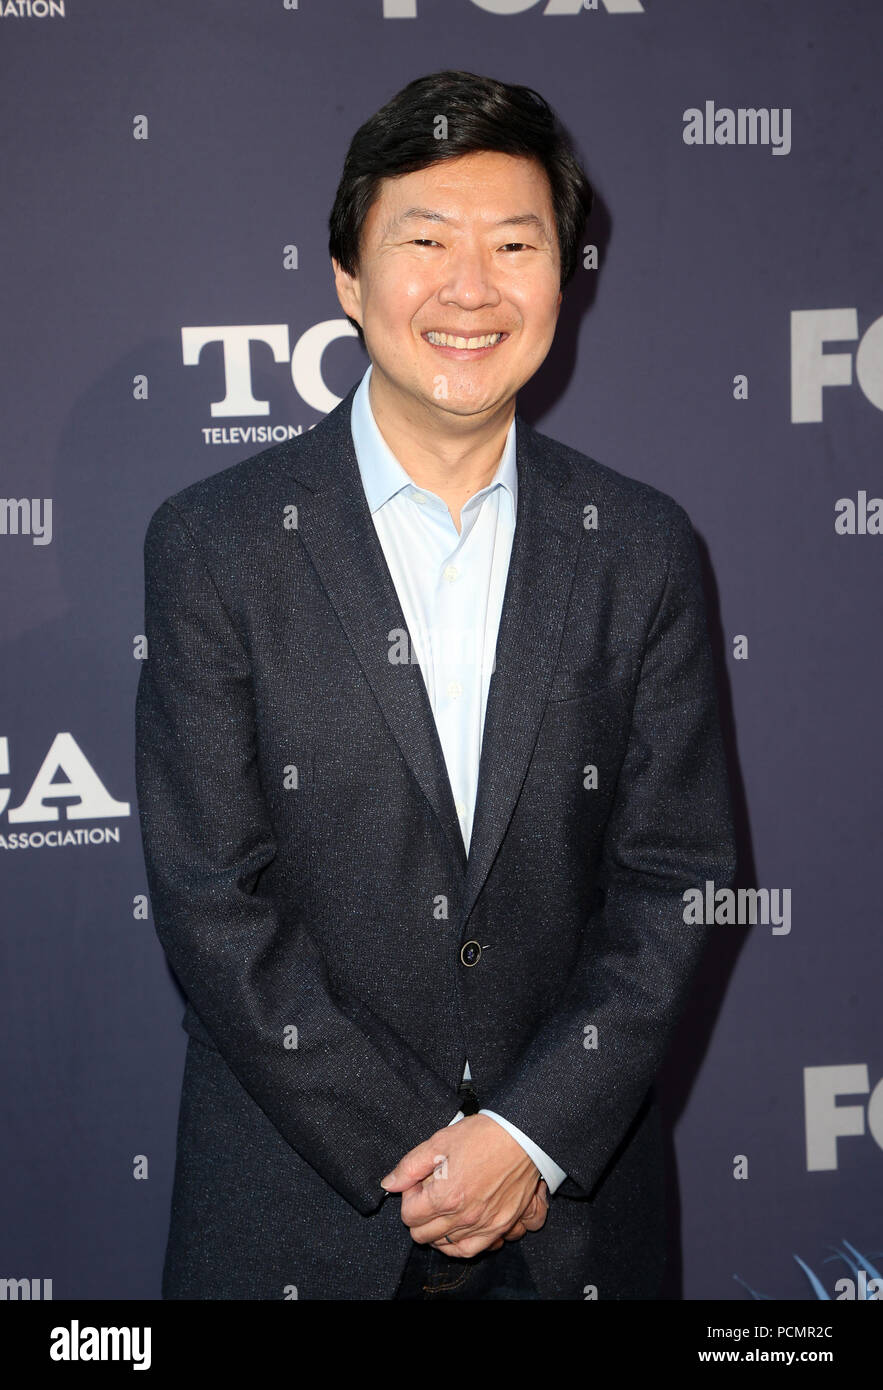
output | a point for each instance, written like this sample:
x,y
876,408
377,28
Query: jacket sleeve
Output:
x,y
669,829
351,1097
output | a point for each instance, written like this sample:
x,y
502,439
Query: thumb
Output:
x,y
413,1168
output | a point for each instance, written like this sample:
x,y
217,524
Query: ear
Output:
x,y
348,291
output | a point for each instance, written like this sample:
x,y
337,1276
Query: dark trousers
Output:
x,y
502,1273
499,1273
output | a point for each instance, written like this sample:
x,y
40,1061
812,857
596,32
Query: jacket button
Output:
x,y
470,953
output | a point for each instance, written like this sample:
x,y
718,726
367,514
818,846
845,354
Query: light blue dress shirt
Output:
x,y
450,587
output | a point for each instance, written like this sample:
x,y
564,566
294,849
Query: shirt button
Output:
x,y
460,808
455,689
470,953
450,573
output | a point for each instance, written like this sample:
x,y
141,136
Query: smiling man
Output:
x,y
455,317
428,755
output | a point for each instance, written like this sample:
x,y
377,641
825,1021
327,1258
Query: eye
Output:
x,y
519,246
425,241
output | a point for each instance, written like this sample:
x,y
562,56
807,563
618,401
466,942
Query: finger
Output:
x,y
468,1248
543,1205
453,1252
535,1223
428,1218
533,1217
429,1202
464,1240
434,1232
532,1210
447,1247
419,1163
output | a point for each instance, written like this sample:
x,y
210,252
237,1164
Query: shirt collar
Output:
x,y
382,474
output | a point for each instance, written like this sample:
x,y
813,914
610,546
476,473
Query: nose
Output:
x,y
469,279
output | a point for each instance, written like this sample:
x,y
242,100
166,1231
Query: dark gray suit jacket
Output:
x,y
307,872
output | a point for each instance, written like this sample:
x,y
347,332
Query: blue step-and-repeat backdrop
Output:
x,y
168,309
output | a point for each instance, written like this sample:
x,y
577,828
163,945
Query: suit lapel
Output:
x,y
548,528
336,528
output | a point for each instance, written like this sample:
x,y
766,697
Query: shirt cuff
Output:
x,y
553,1175
459,1116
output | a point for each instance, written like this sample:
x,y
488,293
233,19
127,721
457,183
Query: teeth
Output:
x,y
448,340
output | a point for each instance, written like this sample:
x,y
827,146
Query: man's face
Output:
x,y
467,247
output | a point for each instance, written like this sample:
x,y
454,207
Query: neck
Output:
x,y
453,456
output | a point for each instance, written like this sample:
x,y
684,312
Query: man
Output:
x,y
428,754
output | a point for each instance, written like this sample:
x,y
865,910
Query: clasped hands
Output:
x,y
471,1182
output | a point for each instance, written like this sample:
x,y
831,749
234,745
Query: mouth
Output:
x,y
461,346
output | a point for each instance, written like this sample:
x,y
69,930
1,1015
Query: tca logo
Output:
x,y
826,1121
305,361
407,9
812,369
91,799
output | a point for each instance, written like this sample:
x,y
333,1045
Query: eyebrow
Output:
x,y
520,219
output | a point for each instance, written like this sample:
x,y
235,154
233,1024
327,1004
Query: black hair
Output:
x,y
481,114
